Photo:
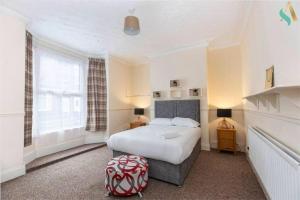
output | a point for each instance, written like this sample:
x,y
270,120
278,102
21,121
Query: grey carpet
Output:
x,y
214,176
59,156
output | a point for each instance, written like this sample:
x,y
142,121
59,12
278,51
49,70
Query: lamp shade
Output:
x,y
139,111
223,112
131,25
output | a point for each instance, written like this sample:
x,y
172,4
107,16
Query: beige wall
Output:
x,y
12,75
225,90
128,88
270,41
188,66
141,90
119,90
225,78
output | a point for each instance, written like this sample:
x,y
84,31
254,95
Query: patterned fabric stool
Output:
x,y
126,175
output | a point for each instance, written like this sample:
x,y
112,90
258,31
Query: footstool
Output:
x,y
126,175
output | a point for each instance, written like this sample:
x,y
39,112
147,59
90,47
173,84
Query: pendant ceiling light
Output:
x,y
131,24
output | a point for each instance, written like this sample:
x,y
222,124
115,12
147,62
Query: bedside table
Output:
x,y
226,139
136,124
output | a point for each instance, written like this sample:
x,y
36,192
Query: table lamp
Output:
x,y
224,113
139,112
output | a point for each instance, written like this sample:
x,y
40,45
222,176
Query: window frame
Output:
x,y
66,55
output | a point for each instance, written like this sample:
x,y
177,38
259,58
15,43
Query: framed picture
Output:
x,y
269,78
195,92
174,83
156,94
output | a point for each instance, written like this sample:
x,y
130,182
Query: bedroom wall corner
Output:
x,y
189,66
128,87
225,91
119,90
141,89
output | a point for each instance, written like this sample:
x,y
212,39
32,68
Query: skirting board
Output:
x,y
12,173
205,147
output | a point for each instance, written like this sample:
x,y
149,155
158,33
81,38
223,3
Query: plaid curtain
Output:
x,y
97,96
28,92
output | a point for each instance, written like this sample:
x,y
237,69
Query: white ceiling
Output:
x,y
96,26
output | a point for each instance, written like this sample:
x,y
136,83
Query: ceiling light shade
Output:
x,y
131,25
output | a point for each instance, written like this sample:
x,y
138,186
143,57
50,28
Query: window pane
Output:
x,y
44,103
49,120
59,84
71,78
59,75
77,104
49,76
65,105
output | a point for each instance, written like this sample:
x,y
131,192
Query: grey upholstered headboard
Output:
x,y
178,108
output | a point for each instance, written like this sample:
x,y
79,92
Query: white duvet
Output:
x,y
150,141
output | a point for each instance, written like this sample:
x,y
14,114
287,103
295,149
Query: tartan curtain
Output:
x,y
28,92
96,96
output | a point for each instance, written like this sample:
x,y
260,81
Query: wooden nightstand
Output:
x,y
136,124
226,139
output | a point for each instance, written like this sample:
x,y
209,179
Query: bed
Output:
x,y
169,160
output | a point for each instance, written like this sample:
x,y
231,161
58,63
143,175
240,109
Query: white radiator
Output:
x,y
277,166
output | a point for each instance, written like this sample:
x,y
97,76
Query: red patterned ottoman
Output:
x,y
126,175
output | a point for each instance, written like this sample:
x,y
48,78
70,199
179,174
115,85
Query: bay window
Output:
x,y
59,91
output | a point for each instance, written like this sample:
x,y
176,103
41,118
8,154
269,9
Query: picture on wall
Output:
x,y
156,94
174,83
195,92
269,78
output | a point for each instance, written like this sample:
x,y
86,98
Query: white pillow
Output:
x,y
167,134
161,121
170,135
186,122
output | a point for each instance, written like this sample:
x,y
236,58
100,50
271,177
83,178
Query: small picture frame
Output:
x,y
194,92
269,78
156,94
174,83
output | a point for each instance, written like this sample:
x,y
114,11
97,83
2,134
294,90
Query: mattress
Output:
x,y
147,141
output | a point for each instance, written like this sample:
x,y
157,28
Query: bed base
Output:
x,y
169,172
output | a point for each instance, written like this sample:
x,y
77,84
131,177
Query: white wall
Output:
x,y
12,75
188,66
270,41
225,91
